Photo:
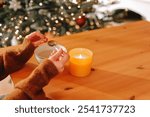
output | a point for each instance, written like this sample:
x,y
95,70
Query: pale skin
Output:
x,y
59,58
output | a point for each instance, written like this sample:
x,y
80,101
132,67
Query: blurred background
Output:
x,y
65,17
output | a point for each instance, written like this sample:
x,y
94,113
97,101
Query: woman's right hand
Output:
x,y
59,58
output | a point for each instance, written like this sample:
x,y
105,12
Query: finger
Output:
x,y
31,36
36,44
45,39
38,36
53,52
65,58
41,36
35,36
56,55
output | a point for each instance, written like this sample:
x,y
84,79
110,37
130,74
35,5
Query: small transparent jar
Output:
x,y
45,50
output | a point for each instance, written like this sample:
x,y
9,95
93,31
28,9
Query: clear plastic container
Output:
x,y
45,50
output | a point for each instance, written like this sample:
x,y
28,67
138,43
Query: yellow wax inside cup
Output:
x,y
80,61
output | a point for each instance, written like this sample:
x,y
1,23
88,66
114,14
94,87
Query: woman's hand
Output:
x,y
59,58
36,38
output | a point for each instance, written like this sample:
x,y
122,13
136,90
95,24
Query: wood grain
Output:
x,y
121,65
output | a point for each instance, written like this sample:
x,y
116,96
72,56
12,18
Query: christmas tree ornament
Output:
x,y
72,23
81,20
15,5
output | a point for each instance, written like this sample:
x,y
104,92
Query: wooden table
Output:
x,y
121,66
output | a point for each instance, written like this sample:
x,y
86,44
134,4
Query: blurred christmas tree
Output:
x,y
21,17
